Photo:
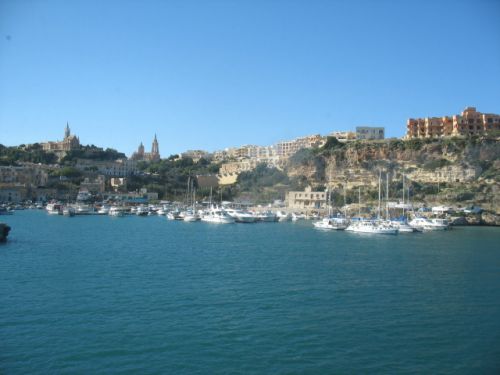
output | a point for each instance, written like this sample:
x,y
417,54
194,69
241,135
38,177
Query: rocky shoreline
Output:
x,y
4,232
484,219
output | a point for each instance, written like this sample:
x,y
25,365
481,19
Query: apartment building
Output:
x,y
469,122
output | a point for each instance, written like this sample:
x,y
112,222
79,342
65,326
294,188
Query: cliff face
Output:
x,y
463,170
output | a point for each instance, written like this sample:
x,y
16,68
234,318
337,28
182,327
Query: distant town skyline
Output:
x,y
212,75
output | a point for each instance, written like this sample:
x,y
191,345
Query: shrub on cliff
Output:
x,y
432,165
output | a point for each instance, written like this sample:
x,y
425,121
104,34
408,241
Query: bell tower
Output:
x,y
67,132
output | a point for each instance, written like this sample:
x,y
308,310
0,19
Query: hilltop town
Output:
x,y
450,159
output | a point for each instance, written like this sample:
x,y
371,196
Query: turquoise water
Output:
x,y
145,295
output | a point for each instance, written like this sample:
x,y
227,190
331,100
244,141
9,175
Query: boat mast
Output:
x,y
387,197
403,194
187,192
345,205
379,178
194,200
359,202
329,201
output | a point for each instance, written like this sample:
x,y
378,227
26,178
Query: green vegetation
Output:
x,y
68,172
432,165
331,144
93,153
32,154
169,177
261,177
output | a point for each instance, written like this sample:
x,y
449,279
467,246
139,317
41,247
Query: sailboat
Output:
x,y
216,215
191,215
402,222
372,226
329,222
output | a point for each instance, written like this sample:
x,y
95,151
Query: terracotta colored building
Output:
x,y
469,122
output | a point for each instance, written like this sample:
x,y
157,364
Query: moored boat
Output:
x,y
68,211
116,211
217,215
54,209
425,224
332,223
267,217
372,227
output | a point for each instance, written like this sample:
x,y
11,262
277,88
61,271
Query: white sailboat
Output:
x,y
372,226
329,222
191,215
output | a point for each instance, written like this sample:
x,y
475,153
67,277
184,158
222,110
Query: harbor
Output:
x,y
74,287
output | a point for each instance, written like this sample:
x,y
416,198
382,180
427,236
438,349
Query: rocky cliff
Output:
x,y
453,171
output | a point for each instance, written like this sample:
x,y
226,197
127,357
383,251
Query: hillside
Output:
x,y
449,171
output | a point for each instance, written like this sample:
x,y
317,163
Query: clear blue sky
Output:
x,y
214,74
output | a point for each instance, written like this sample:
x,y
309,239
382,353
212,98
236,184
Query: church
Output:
x,y
154,155
70,142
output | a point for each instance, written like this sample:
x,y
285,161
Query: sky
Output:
x,y
216,74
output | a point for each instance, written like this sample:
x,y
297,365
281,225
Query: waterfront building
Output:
x,y
13,192
116,168
69,143
369,133
20,182
154,155
306,200
469,122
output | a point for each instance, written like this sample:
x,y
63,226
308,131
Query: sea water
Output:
x,y
93,294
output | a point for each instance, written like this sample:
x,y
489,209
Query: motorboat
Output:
x,y
104,210
283,216
241,216
266,217
162,211
191,216
82,209
425,224
404,227
175,215
372,227
142,211
332,223
297,217
68,211
116,211
217,215
54,209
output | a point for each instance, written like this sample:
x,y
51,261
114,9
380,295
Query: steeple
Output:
x,y
155,151
67,132
140,150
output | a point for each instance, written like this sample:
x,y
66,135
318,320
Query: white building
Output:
x,y
369,132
